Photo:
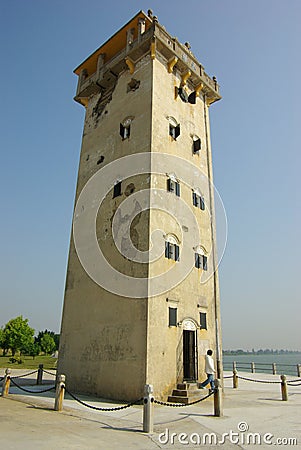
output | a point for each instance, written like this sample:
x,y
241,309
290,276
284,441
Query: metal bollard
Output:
x,y
6,383
299,370
234,365
40,374
59,393
284,388
148,409
218,399
252,367
235,379
274,369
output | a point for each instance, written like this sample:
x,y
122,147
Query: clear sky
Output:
x,y
253,48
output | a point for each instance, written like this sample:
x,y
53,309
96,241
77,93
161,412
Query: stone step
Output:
x,y
176,399
186,393
186,386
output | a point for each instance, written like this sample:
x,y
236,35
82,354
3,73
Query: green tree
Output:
x,y
33,350
56,337
1,338
47,343
17,335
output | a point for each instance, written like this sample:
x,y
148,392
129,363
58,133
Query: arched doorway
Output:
x,y
190,354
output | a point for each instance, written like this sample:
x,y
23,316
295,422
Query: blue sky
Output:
x,y
253,48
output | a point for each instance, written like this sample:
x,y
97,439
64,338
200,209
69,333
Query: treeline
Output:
x,y
17,337
260,352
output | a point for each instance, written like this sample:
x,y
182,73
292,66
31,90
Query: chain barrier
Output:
x,y
117,408
24,375
31,392
229,376
178,405
49,373
298,380
259,381
293,384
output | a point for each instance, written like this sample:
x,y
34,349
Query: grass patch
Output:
x,y
28,362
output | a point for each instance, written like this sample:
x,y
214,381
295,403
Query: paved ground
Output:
x,y
29,422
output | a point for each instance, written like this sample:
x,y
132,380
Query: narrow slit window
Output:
x,y
196,145
125,131
203,321
117,189
172,317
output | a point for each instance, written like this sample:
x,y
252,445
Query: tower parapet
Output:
x,y
141,36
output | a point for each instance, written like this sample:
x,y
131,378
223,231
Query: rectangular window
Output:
x,y
200,261
172,251
172,319
198,201
117,189
173,186
196,145
203,321
125,131
174,131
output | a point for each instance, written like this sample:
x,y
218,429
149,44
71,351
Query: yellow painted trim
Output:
x,y
153,50
198,89
131,65
209,101
185,77
114,44
171,63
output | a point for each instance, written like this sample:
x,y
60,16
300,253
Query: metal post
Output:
x,y
40,374
284,388
252,367
148,409
6,383
234,365
274,369
59,393
235,379
218,398
299,370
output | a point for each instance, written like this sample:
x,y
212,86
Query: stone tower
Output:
x,y
142,297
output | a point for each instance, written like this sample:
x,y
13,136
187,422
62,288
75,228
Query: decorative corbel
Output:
x,y
171,63
185,77
131,65
198,89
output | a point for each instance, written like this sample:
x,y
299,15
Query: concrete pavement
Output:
x,y
254,416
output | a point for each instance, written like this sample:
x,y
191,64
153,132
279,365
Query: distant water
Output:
x,y
285,364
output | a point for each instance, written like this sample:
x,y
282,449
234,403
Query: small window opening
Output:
x,y
172,251
196,145
200,261
117,189
198,201
174,131
101,159
203,321
173,186
172,317
125,131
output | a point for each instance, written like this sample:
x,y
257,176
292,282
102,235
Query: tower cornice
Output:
x,y
142,35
